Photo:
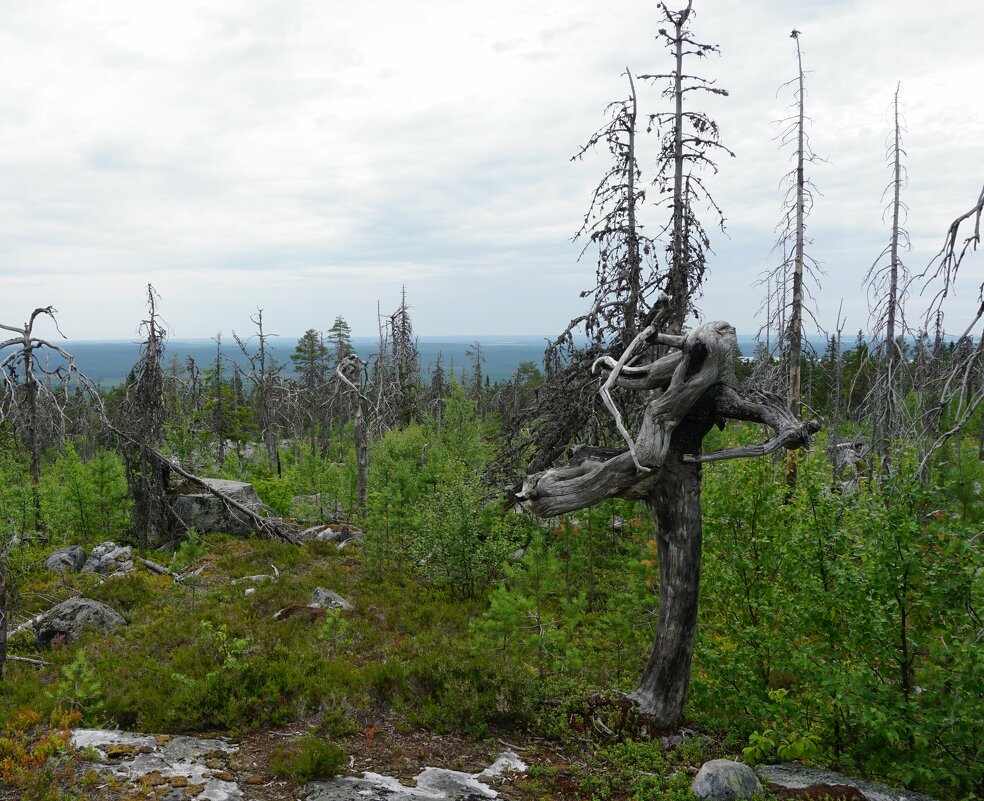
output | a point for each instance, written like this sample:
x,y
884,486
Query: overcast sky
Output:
x,y
310,158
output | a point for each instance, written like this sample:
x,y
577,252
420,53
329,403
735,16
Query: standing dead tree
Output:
x,y
264,375
396,372
961,389
627,277
349,368
612,225
140,429
786,284
37,378
688,141
887,280
37,381
680,396
140,419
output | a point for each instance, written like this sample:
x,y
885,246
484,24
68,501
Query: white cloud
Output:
x,y
311,158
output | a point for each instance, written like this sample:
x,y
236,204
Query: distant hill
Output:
x,y
108,363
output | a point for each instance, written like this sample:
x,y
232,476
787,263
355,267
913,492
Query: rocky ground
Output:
x,y
383,763
387,764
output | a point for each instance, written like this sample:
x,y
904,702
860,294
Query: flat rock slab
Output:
x,y
432,784
178,763
797,777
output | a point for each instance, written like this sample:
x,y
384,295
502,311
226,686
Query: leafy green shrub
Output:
x,y
837,627
462,542
310,759
85,501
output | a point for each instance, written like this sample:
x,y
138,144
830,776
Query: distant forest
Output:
x,y
107,363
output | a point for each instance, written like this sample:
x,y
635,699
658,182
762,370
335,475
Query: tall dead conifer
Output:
x,y
140,418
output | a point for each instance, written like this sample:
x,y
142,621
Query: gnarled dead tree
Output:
x,y
692,389
674,399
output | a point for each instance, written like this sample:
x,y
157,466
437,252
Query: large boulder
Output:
x,y
724,780
108,557
71,616
205,512
66,560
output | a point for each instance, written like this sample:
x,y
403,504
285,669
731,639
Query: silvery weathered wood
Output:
x,y
692,390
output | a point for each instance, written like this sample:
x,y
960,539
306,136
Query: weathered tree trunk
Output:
x,y
675,506
362,458
33,441
633,257
891,349
3,611
662,467
796,312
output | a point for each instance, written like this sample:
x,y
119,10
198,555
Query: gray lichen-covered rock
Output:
x,y
326,599
431,784
108,557
184,767
798,778
205,512
724,780
66,560
71,616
